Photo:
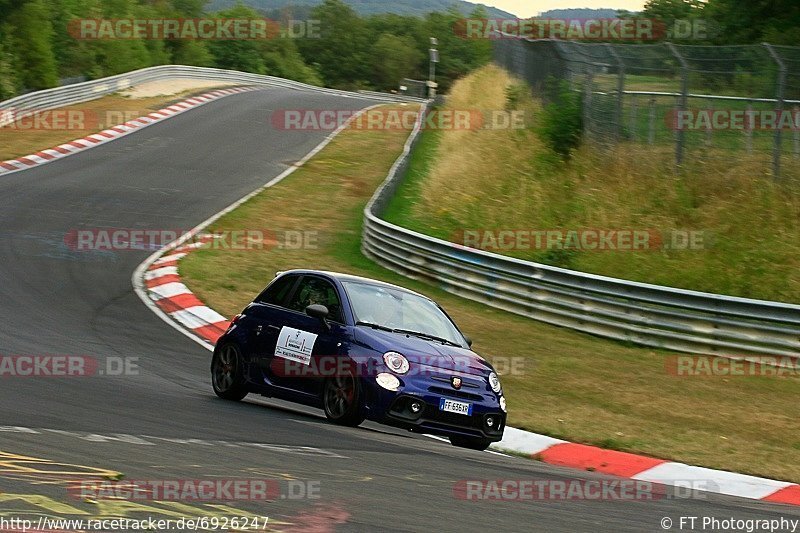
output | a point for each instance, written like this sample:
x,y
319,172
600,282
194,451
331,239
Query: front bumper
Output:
x,y
393,408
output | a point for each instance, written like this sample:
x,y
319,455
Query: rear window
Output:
x,y
277,291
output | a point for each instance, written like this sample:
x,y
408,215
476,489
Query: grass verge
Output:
x,y
47,129
566,384
746,224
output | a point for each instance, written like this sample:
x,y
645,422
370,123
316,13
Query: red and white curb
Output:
x,y
628,465
96,139
157,282
173,298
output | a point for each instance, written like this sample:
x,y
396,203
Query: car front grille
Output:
x,y
456,393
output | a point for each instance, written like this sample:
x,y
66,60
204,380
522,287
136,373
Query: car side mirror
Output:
x,y
469,341
320,312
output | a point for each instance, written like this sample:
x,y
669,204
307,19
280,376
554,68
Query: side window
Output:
x,y
277,291
313,290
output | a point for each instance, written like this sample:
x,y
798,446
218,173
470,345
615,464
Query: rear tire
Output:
x,y
341,400
473,443
227,374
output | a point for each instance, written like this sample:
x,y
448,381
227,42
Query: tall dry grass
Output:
x,y
508,179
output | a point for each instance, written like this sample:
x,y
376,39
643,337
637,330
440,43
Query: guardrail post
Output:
x,y
682,102
776,147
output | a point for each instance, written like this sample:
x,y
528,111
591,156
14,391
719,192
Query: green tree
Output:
x,y
157,51
668,11
561,123
340,53
284,60
32,45
665,13
195,53
115,56
75,57
394,58
754,21
244,55
8,77
457,55
185,51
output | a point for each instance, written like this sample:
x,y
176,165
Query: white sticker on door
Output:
x,y
295,345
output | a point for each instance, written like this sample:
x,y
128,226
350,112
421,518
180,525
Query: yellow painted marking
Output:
x,y
42,502
15,464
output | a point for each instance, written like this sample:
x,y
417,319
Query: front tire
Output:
x,y
473,443
227,374
341,400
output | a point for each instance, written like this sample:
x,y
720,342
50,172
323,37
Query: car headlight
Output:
x,y
388,381
494,382
396,362
503,404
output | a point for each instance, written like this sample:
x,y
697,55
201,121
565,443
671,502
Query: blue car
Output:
x,y
361,349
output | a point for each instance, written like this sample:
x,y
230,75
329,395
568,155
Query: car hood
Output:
x,y
424,352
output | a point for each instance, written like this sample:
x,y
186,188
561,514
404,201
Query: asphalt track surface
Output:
x,y
57,301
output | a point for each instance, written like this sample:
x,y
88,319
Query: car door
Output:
x,y
265,317
308,350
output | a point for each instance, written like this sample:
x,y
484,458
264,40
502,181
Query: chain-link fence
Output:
x,y
690,103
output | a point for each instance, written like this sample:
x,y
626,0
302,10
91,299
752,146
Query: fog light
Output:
x,y
387,381
490,421
416,407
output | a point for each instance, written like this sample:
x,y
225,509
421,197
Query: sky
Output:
x,y
529,8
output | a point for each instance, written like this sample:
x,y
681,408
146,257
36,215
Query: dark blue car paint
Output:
x,y
365,347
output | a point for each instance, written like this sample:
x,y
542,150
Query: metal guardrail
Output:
x,y
651,315
646,314
706,96
90,90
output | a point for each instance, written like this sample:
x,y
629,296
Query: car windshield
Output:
x,y
395,309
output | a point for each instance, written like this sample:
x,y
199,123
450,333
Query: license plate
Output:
x,y
452,406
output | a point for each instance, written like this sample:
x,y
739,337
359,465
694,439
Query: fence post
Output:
x,y
587,102
796,115
681,134
748,130
634,125
620,89
710,128
651,132
776,148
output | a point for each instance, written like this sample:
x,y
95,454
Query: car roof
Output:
x,y
352,278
